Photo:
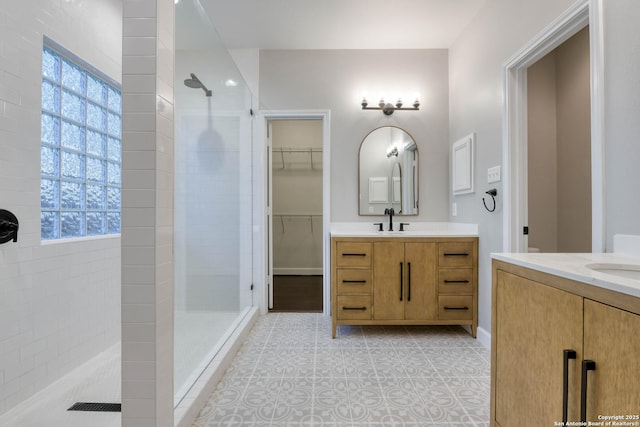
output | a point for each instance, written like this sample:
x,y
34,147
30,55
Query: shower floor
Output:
x,y
98,380
197,336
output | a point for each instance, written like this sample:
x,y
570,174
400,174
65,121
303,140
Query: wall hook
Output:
x,y
8,227
493,193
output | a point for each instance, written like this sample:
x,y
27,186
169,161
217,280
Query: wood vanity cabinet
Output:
x,y
404,280
547,330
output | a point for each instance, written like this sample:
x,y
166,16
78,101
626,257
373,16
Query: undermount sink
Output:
x,y
628,271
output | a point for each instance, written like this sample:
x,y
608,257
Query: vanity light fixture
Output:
x,y
388,108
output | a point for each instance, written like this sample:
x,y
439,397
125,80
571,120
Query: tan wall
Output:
x,y
574,145
559,149
542,157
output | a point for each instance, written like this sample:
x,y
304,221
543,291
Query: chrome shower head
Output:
x,y
195,83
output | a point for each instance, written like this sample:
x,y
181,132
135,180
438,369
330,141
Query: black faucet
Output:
x,y
390,212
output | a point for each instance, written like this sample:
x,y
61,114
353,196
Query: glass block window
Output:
x,y
81,148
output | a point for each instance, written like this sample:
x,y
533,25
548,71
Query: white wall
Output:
x,y
476,81
325,79
500,29
622,109
59,302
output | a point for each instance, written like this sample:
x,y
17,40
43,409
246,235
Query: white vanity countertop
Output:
x,y
414,229
574,267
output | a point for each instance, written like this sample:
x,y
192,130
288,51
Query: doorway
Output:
x,y
515,151
296,194
559,149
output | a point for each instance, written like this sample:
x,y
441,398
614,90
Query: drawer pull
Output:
x,y
354,281
401,280
568,354
409,283
456,254
354,254
587,365
456,308
456,281
354,308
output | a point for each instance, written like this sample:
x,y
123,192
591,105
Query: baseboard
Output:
x,y
187,410
484,337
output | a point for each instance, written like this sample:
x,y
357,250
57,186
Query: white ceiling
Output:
x,y
337,24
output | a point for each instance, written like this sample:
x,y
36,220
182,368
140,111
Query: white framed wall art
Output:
x,y
462,165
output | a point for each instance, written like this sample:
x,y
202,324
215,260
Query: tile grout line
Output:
x,y
256,365
315,365
411,379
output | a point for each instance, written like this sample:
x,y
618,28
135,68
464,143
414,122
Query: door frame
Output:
x,y
581,14
264,207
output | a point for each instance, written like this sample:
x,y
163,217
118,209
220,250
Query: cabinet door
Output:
x,y
534,325
388,273
611,340
420,281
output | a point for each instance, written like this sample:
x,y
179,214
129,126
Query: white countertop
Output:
x,y
574,267
414,229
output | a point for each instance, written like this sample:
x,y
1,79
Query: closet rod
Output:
x,y
308,216
298,150
293,215
309,150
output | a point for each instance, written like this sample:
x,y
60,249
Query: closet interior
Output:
x,y
297,214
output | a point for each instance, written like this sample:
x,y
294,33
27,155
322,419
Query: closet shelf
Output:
x,y
310,151
308,217
296,214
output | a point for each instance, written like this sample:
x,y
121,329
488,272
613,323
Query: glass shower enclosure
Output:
x,y
213,195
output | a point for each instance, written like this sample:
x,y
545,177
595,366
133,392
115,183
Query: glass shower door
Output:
x,y
213,193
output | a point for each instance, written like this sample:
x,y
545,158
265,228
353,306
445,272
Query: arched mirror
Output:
x,y
388,172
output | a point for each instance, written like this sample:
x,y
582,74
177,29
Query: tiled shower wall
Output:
x,y
59,302
147,217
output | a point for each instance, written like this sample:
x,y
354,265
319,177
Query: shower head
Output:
x,y
195,83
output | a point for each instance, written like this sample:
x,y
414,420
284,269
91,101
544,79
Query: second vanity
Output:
x,y
424,275
564,339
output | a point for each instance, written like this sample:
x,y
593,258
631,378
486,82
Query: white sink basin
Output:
x,y
628,271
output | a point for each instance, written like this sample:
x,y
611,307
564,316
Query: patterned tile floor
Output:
x,y
290,372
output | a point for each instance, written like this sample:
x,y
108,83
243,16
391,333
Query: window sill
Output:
x,y
79,239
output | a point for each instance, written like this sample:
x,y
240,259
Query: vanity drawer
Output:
x,y
354,307
455,307
455,281
353,254
455,254
353,281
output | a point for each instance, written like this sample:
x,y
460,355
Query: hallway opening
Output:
x,y
559,149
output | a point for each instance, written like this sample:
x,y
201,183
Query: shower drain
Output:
x,y
96,407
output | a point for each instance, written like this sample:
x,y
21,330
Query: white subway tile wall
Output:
x,y
147,272
59,302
